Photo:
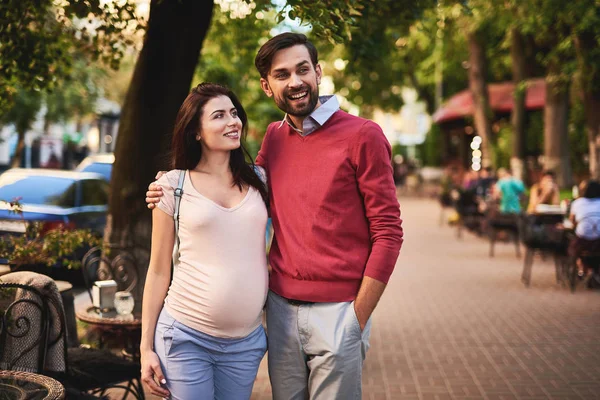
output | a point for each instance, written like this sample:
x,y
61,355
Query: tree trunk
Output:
x,y
16,160
481,103
591,104
517,117
585,42
161,81
556,116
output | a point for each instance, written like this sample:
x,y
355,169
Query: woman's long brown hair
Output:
x,y
187,151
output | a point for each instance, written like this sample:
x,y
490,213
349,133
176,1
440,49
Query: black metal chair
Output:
x,y
467,206
588,253
35,323
24,328
510,223
540,235
123,264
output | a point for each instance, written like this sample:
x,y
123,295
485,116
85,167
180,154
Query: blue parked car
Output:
x,y
98,163
53,197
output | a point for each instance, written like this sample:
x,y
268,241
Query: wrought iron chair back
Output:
x,y
112,262
26,331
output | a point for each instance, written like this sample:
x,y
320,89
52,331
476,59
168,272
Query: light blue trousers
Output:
x,y
200,366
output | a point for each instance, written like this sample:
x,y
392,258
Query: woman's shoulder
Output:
x,y
170,179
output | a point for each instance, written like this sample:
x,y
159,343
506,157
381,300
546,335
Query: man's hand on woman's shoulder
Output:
x,y
154,192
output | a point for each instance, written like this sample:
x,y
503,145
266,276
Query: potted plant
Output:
x,y
55,252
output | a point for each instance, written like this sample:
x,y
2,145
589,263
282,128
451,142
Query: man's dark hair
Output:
x,y
264,57
592,191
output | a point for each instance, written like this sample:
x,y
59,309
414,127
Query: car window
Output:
x,y
38,190
94,192
99,168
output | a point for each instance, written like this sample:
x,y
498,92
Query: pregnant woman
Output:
x,y
202,336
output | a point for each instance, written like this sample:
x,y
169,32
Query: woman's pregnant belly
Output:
x,y
223,301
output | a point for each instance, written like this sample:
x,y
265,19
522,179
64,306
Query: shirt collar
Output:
x,y
329,105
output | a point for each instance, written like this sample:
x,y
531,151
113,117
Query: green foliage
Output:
x,y
504,145
76,95
334,20
548,22
48,248
228,58
375,64
534,133
578,140
429,150
398,149
39,38
23,109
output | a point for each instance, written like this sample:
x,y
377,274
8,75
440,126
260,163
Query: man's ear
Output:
x,y
265,87
319,73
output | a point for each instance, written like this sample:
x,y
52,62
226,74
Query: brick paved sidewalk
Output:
x,y
455,324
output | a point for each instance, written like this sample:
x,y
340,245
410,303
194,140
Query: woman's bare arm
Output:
x,y
157,283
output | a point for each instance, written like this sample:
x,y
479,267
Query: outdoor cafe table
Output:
x,y
553,239
129,325
18,385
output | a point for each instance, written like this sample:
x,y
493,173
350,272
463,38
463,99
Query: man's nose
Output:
x,y
295,81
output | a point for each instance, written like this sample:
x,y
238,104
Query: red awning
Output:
x,y
501,100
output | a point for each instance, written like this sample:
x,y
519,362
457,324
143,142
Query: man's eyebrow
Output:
x,y
300,64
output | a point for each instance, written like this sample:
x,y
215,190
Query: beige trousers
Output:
x,y
315,351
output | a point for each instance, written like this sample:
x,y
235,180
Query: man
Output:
x,y
509,190
337,228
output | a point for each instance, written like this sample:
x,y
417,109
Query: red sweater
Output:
x,y
334,208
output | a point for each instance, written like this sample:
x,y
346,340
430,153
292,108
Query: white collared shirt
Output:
x,y
329,105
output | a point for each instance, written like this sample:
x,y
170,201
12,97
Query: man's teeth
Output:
x,y
299,95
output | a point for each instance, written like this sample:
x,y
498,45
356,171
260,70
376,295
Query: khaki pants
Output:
x,y
316,350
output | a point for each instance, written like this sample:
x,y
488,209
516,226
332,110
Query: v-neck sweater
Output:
x,y
333,203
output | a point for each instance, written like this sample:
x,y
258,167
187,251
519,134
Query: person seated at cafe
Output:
x,y
485,183
585,216
544,192
470,180
508,190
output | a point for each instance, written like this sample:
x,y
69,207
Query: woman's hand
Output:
x,y
152,375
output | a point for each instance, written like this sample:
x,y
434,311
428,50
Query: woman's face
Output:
x,y
221,128
547,180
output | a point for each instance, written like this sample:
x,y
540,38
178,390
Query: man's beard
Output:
x,y
284,105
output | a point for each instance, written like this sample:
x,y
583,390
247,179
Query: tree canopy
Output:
x,y
39,39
